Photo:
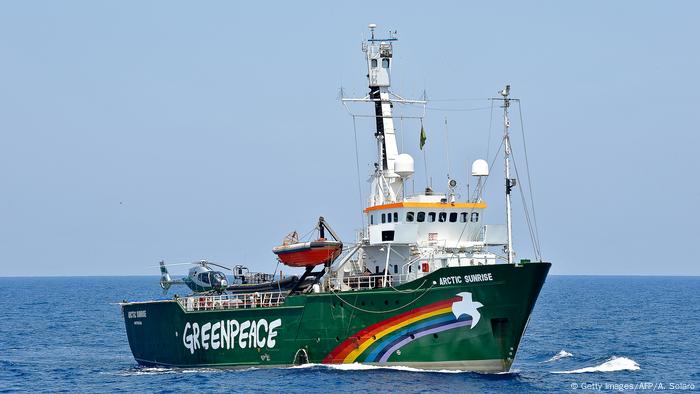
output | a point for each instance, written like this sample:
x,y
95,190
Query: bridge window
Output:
x,y
396,268
463,217
453,217
475,216
409,216
376,269
442,216
420,217
385,63
388,217
387,235
410,268
396,217
383,218
431,216
371,219
374,63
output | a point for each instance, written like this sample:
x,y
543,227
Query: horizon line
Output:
x,y
158,275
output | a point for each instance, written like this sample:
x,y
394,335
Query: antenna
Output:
x,y
447,149
372,26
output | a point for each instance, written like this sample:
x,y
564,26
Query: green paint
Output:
x,y
321,322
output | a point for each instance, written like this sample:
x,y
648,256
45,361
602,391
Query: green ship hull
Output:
x,y
463,318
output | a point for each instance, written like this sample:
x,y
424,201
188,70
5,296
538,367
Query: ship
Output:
x,y
425,284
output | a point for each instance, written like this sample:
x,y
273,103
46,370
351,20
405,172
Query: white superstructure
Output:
x,y
408,236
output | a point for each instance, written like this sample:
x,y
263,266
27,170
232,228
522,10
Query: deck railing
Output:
x,y
364,282
231,301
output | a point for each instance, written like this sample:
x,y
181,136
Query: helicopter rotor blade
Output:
x,y
219,265
174,264
199,262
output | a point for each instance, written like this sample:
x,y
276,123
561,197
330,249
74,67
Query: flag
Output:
x,y
422,137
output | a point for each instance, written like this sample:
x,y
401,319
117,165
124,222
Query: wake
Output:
x,y
366,367
562,354
614,364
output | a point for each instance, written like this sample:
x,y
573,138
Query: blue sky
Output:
x,y
132,132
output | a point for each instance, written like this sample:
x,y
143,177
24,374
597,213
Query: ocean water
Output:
x,y
585,334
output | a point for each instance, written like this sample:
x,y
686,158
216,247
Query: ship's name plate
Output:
x,y
225,334
136,314
473,278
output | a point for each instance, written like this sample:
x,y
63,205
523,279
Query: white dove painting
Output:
x,y
467,307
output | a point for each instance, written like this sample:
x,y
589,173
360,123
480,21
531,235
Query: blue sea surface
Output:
x,y
67,334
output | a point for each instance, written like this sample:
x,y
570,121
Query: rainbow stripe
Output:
x,y
379,341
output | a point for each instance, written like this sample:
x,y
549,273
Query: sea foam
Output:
x,y
562,354
614,364
364,367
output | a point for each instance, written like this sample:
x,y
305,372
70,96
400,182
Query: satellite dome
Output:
x,y
480,168
403,165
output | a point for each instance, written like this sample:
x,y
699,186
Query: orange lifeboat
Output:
x,y
308,254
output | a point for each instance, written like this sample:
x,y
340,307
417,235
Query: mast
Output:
x,y
379,53
387,184
510,183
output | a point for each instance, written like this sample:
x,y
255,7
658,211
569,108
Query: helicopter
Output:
x,y
203,279
200,279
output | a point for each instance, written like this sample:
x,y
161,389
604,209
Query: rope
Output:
x,y
461,99
447,148
357,166
307,236
483,186
402,133
529,180
457,109
488,143
535,242
385,311
407,291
